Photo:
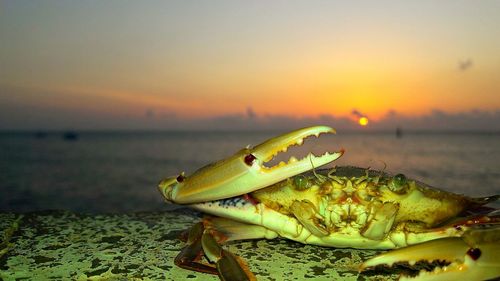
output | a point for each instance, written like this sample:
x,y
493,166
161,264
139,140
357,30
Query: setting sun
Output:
x,y
363,121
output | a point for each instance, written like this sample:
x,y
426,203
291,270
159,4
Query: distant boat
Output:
x,y
40,135
399,133
70,136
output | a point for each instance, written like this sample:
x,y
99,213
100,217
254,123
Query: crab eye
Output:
x,y
301,183
399,179
180,178
398,183
249,159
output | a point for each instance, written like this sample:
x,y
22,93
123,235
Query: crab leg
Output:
x,y
229,266
190,256
245,171
474,256
205,237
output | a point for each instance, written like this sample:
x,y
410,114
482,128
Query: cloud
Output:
x,y
22,111
357,113
465,65
251,113
150,113
438,120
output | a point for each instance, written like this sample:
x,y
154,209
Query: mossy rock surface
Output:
x,y
60,245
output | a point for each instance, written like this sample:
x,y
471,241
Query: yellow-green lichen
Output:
x,y
67,246
9,223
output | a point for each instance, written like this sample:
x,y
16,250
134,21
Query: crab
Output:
x,y
343,207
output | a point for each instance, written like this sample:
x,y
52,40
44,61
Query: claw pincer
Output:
x,y
245,171
473,256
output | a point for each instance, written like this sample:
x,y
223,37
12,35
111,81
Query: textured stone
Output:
x,y
61,245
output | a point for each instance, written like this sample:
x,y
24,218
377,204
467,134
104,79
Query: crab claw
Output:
x,y
474,256
245,171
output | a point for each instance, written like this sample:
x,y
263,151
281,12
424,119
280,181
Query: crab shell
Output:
x,y
343,207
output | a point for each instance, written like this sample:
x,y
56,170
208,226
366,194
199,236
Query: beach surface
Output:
x,y
61,245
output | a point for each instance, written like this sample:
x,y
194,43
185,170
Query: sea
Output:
x,y
117,171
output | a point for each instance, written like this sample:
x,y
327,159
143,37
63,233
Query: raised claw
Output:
x,y
245,171
474,256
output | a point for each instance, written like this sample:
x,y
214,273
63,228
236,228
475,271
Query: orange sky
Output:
x,y
201,59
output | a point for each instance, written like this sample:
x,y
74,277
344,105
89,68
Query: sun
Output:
x,y
363,121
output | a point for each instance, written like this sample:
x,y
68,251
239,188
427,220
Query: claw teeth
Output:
x,y
445,249
268,150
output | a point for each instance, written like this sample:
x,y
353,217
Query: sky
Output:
x,y
249,64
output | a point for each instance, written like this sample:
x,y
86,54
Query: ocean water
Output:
x,y
118,171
